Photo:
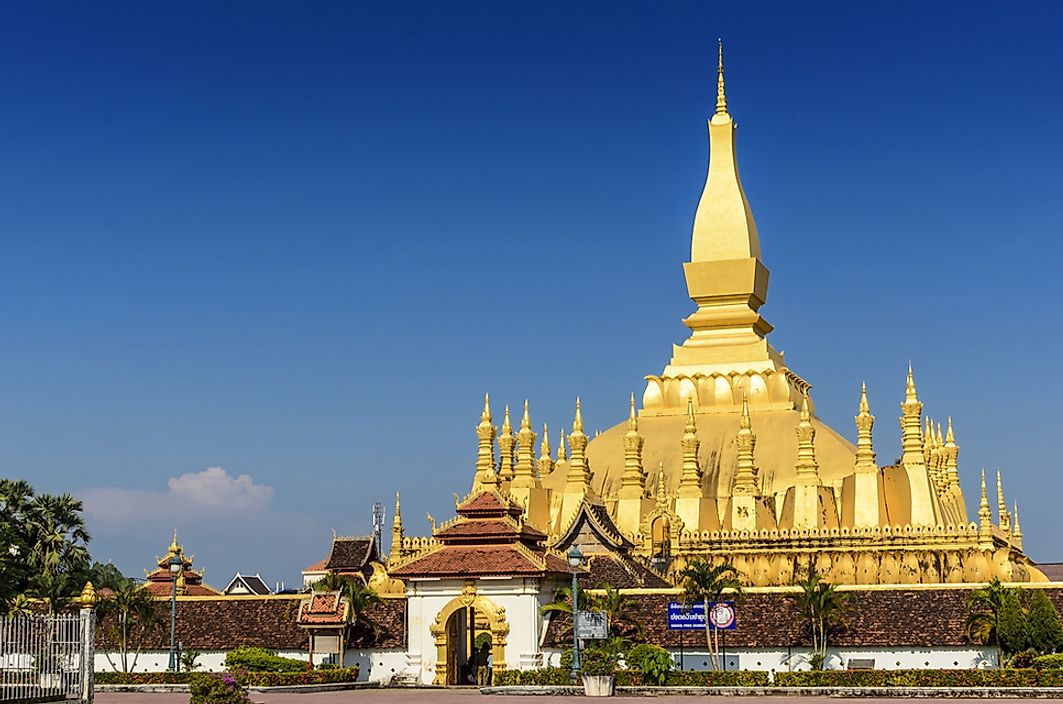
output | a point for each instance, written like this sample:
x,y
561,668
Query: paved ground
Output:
x,y
473,696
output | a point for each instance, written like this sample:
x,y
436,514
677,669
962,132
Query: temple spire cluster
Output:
x,y
742,468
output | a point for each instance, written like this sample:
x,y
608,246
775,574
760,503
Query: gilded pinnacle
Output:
x,y
506,427
632,421
577,423
950,439
721,99
562,454
864,407
544,448
910,394
486,415
745,424
806,417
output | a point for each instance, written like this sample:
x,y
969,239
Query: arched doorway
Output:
x,y
458,626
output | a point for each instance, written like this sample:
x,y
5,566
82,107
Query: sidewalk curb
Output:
x,y
848,692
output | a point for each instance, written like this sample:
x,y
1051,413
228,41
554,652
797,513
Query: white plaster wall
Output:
x,y
376,665
521,598
208,660
781,660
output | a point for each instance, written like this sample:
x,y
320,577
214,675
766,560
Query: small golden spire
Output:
x,y
865,452
691,426
506,444
985,517
745,481
562,453
175,549
485,416
721,99
633,480
545,464
950,439
398,510
525,422
524,472
910,393
690,478
506,426
396,532
1016,532
486,477
578,472
577,422
939,440
1002,506
632,419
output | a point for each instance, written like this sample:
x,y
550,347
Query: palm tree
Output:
x,y
562,604
704,582
125,618
983,607
357,595
822,608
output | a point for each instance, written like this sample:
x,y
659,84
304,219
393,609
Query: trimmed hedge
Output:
x,y
921,678
248,679
1047,662
555,676
262,660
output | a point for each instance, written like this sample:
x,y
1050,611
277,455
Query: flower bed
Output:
x,y
921,678
248,679
556,676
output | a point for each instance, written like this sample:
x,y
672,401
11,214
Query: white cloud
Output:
x,y
215,487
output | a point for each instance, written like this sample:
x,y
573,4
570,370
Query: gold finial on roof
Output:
x,y
506,426
485,452
485,416
864,407
562,453
985,518
865,452
632,420
398,510
939,439
1016,532
577,422
745,481
721,99
950,439
806,417
175,549
544,446
525,422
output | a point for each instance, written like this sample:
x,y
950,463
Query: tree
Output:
x,y
706,583
1045,630
127,617
42,544
358,595
1011,624
822,608
983,608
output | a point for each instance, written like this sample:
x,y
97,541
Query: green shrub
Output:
x,y
262,660
142,677
716,678
597,661
1043,626
216,689
1011,625
547,676
1049,662
1022,660
652,661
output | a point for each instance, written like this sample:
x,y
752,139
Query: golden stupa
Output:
x,y
727,460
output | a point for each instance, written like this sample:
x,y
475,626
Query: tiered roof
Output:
x,y
487,538
189,582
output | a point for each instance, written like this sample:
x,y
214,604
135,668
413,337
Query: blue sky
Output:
x,y
299,242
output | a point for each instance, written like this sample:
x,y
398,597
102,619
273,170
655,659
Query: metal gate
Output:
x,y
43,656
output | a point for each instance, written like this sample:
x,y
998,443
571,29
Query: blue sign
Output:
x,y
691,617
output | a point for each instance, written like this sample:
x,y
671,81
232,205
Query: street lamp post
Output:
x,y
575,561
176,565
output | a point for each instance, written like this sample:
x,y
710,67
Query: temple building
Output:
x,y
160,582
727,459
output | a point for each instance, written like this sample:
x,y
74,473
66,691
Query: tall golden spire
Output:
x,y
524,472
506,442
865,452
985,518
562,453
807,467
721,99
485,453
545,464
746,470
925,507
1016,533
396,532
690,479
1002,506
633,481
578,472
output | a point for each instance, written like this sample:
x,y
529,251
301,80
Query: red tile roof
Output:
x,y
489,502
351,554
318,566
